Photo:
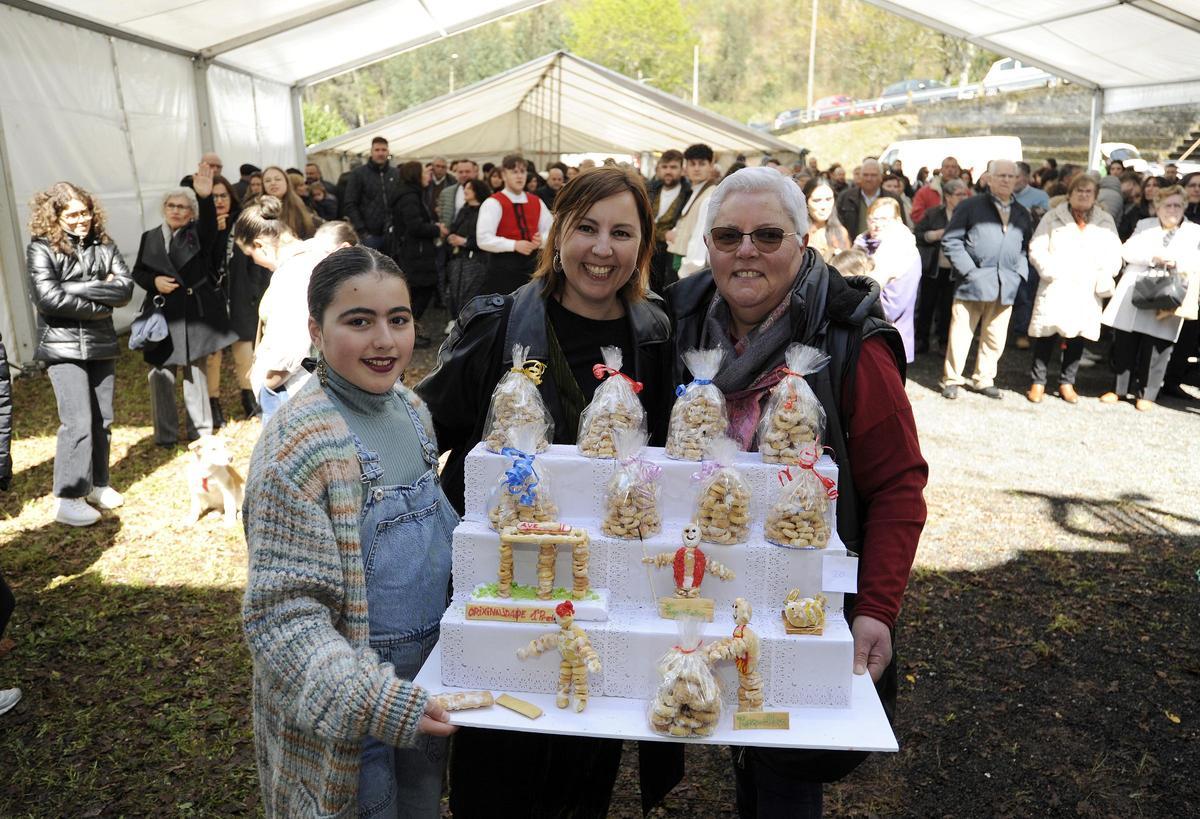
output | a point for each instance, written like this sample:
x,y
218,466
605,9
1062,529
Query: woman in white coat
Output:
x,y
1144,337
1077,254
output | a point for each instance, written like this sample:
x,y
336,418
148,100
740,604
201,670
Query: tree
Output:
x,y
644,39
320,123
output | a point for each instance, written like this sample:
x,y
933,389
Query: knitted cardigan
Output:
x,y
319,689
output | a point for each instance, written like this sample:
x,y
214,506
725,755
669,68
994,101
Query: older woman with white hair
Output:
x,y
173,267
765,290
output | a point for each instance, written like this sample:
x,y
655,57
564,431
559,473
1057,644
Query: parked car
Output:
x,y
902,93
789,119
1130,157
972,153
835,107
1011,74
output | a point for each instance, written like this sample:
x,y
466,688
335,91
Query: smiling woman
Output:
x,y
345,471
589,290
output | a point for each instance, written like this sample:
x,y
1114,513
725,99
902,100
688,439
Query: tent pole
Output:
x,y
1094,130
17,302
298,126
203,104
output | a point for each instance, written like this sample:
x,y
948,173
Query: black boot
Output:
x,y
217,415
249,405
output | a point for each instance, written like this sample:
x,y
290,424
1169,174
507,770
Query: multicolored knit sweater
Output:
x,y
319,689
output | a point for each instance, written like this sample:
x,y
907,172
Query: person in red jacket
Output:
x,y
930,196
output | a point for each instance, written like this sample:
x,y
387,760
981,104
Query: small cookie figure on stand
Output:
x,y
578,656
742,648
804,615
689,563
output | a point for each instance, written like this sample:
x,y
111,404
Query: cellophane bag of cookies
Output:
x,y
800,517
723,504
522,495
793,416
516,402
699,412
631,497
687,702
614,406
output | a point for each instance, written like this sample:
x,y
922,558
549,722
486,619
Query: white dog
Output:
x,y
213,481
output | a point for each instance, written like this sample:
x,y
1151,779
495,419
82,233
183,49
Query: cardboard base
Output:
x,y
790,629
482,606
861,727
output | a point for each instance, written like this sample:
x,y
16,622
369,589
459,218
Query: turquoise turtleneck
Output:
x,y
383,424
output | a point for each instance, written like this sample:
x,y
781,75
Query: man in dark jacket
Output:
x,y
853,202
986,243
762,293
371,194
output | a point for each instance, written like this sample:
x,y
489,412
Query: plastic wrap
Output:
x,y
793,416
699,413
631,497
615,406
522,494
723,504
516,402
800,517
687,702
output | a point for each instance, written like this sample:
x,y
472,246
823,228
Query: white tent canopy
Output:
x,y
556,104
123,96
1134,53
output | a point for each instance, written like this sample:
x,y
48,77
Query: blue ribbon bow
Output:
x,y
521,477
682,388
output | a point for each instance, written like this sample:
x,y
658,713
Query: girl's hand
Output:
x,y
436,720
165,284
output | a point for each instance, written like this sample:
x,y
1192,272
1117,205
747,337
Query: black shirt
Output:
x,y
581,339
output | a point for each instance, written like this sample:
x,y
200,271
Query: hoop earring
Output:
x,y
556,263
322,371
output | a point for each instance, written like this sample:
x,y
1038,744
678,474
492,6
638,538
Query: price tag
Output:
x,y
839,574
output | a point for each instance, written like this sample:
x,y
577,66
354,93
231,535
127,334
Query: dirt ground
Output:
x,y
1047,647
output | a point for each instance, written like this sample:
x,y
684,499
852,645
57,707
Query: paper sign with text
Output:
x,y
839,574
677,608
762,720
509,614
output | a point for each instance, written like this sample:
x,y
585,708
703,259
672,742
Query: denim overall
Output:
x,y
405,533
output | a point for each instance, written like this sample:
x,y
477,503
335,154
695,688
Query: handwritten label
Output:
x,y
839,574
762,720
509,614
677,608
531,528
525,709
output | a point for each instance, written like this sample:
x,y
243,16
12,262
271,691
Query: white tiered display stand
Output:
x,y
807,676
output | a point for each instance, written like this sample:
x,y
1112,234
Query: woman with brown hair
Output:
x,y
296,215
826,235
590,289
416,229
78,277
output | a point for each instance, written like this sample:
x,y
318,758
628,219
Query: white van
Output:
x,y
972,153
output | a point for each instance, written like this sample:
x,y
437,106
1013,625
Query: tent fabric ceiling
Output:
x,y
284,40
598,109
1140,52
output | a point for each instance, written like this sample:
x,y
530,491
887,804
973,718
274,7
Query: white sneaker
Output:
x,y
105,497
76,512
8,698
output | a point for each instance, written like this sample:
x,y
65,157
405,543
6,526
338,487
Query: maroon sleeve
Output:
x,y
890,476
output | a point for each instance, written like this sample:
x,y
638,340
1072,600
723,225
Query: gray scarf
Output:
x,y
759,352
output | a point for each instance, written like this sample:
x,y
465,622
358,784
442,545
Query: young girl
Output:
x,y
349,538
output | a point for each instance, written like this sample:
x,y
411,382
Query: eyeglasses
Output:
x,y
766,240
173,206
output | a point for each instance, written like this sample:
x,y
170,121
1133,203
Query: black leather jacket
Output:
x,y
74,300
371,194
478,352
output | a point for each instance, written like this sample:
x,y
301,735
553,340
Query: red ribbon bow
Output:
x,y
808,460
783,370
601,370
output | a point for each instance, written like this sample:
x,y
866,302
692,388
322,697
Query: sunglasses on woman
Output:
x,y
767,239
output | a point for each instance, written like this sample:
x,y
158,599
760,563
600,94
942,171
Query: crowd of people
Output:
x,y
318,290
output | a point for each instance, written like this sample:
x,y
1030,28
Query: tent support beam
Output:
x,y
298,125
1094,129
203,104
19,304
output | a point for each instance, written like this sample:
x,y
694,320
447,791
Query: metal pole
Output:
x,y
696,74
203,104
812,53
299,140
1094,129
558,111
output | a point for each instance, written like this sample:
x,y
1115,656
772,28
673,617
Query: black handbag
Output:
x,y
1159,289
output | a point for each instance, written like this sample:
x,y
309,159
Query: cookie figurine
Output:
x,y
578,656
743,648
